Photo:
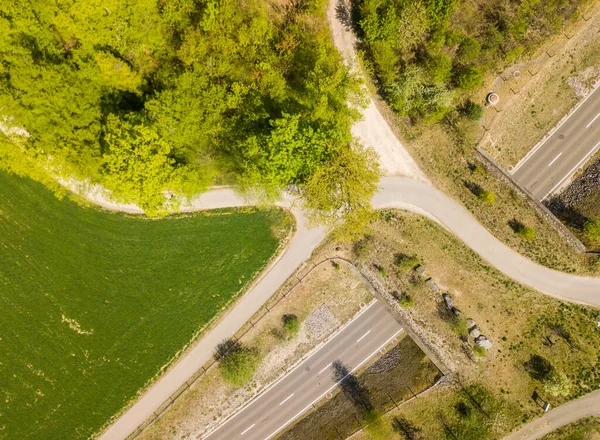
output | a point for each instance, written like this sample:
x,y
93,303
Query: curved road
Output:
x,y
588,405
394,192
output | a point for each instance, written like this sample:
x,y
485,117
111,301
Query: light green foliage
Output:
x,y
291,323
339,194
429,35
487,197
375,425
137,167
592,229
239,364
97,303
468,78
527,232
557,384
152,98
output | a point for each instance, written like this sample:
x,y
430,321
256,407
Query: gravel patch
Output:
x,y
387,362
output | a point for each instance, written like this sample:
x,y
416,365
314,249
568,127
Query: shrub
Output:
x,y
459,327
406,262
468,78
238,364
592,229
487,197
291,324
473,111
468,50
527,233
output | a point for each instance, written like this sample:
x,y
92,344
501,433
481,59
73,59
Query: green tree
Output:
x,y
138,167
473,111
468,78
468,50
339,193
239,364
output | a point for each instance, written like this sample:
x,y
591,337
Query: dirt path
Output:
x,y
372,130
588,405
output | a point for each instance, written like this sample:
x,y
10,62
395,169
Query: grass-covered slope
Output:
x,y
95,303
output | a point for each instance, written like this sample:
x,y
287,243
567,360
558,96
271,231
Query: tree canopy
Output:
x,y
428,54
153,98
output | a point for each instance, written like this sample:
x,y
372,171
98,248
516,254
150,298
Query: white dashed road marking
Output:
x,y
360,339
286,399
554,160
592,121
248,429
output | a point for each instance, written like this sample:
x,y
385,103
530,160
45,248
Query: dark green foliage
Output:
x,y
144,96
238,364
98,302
473,111
427,35
538,367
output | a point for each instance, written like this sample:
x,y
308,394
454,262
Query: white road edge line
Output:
x,y
553,130
592,121
286,399
363,336
572,170
335,385
339,331
554,160
325,368
248,429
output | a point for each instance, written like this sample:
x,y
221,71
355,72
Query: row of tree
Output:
x,y
149,97
427,53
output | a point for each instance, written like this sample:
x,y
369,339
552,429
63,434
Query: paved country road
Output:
x,y
288,398
571,144
588,405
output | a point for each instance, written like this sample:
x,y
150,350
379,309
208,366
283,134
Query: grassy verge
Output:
x,y
522,325
584,429
96,304
326,298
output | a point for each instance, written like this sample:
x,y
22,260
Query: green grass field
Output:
x,y
94,303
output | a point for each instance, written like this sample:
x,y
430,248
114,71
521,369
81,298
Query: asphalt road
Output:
x,y
546,168
288,398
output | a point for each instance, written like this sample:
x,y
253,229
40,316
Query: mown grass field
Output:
x,y
95,303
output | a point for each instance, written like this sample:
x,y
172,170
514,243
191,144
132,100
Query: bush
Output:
x,y
406,301
468,78
459,327
406,262
473,111
527,233
487,197
538,367
238,364
439,67
592,229
291,324
479,351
